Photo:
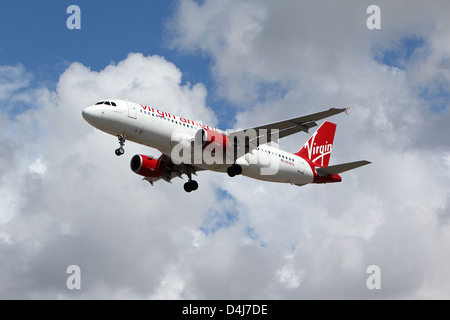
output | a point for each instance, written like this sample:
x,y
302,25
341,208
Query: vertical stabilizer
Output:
x,y
318,148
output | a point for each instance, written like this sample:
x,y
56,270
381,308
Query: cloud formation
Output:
x,y
66,199
291,58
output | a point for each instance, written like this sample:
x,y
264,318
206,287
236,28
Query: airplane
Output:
x,y
188,147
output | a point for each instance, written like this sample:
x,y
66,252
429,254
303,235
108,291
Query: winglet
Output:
x,y
347,110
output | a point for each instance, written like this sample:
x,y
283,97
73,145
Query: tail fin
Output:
x,y
318,148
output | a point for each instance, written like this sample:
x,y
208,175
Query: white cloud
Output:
x,y
12,79
171,286
67,199
38,167
302,56
289,275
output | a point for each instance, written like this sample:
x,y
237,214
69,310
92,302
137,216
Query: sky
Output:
x,y
66,199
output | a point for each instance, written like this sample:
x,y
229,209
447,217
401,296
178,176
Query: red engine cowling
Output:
x,y
206,137
146,166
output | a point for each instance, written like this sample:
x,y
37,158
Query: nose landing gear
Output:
x,y
122,138
119,152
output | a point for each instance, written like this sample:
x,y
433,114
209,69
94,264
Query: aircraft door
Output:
x,y
301,166
132,110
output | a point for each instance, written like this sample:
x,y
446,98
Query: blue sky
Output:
x,y
35,35
402,53
406,53
39,38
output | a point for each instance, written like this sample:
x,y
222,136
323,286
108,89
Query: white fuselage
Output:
x,y
155,128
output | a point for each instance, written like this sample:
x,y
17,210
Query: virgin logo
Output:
x,y
317,152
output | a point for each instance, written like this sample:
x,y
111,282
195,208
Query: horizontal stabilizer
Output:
x,y
339,168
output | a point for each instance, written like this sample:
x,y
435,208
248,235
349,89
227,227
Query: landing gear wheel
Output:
x,y
187,187
122,138
120,152
190,186
234,170
230,171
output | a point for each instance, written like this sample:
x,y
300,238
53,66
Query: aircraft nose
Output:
x,y
90,114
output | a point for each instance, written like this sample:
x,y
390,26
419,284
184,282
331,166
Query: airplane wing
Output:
x,y
172,170
251,138
339,168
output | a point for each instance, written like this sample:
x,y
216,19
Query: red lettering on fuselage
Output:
x,y
163,114
149,109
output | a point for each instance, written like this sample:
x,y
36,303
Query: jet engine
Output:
x,y
147,166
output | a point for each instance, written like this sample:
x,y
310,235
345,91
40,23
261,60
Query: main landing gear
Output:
x,y
234,170
191,185
122,138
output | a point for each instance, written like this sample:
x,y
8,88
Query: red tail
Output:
x,y
318,148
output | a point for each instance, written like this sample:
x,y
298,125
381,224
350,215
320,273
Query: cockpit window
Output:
x,y
107,103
